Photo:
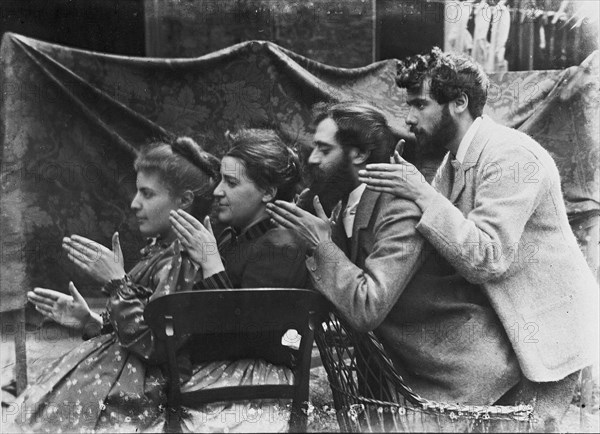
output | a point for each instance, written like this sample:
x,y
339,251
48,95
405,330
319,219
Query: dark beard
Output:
x,y
434,146
331,185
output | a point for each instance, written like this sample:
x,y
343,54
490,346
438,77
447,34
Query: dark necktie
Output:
x,y
456,173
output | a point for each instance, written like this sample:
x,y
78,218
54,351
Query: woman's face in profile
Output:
x,y
152,204
240,202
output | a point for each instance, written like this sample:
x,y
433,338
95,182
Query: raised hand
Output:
x,y
314,229
402,179
198,240
68,310
101,263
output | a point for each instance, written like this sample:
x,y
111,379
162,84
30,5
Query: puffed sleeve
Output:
x,y
128,300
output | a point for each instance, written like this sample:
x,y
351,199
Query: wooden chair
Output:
x,y
370,396
252,323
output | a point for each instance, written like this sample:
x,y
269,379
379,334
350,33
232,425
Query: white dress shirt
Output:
x,y
350,211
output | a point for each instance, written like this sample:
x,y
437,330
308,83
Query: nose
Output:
x,y
218,191
411,119
314,157
135,203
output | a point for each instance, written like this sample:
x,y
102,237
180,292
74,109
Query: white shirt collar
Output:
x,y
350,212
463,147
355,195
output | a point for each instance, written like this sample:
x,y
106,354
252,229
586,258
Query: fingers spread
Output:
x,y
291,208
319,208
78,262
279,220
208,225
189,219
280,215
89,250
40,301
377,182
381,167
47,293
45,310
182,228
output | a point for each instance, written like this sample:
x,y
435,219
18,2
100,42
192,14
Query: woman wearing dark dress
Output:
x,y
112,382
252,252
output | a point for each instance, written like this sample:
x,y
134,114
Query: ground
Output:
x,y
46,341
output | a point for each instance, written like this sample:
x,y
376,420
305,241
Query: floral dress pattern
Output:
x,y
113,382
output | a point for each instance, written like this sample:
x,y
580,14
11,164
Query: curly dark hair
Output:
x,y
268,161
450,74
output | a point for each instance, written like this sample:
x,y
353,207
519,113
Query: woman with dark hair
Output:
x,y
252,252
112,382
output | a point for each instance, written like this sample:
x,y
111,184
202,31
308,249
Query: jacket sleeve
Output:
x,y
365,296
481,245
127,302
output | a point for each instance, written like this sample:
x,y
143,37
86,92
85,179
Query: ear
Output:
x,y
461,103
359,157
269,194
187,199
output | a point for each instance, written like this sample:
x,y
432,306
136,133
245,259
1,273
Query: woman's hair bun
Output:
x,y
189,149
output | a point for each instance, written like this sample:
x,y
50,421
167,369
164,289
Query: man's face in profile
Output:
x,y
331,168
428,120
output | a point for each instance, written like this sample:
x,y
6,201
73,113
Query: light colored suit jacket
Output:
x,y
439,330
385,251
505,227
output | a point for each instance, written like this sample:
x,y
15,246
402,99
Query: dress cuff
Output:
x,y
105,328
218,280
116,285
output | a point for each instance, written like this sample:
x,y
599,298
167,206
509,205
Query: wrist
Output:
x,y
209,269
92,324
425,199
113,285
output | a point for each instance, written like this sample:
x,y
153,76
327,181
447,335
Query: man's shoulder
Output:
x,y
392,208
509,143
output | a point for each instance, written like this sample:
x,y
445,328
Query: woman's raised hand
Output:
x,y
198,240
68,310
101,263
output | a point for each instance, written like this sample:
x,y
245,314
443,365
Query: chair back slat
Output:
x,y
240,393
237,311
230,324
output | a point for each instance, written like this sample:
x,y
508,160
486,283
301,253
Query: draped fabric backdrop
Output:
x,y
72,120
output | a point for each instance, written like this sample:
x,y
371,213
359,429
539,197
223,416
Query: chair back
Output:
x,y
240,323
371,396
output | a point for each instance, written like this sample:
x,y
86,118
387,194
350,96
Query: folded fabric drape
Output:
x,y
72,120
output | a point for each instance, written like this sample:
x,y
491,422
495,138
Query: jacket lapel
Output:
x,y
443,179
471,158
362,218
459,183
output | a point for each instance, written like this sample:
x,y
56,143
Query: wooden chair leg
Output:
x,y
20,351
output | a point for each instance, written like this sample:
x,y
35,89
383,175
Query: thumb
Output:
x,y
116,247
397,158
76,295
319,209
208,226
400,147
